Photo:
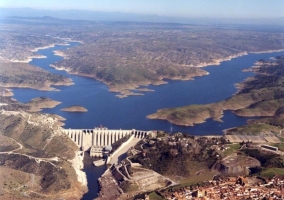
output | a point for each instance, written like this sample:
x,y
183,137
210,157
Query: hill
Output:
x,y
13,74
35,156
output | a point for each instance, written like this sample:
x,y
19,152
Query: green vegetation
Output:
x,y
155,196
178,156
263,108
279,145
188,115
254,128
193,180
271,172
231,148
267,159
127,186
119,75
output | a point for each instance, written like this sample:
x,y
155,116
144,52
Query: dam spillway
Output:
x,y
100,137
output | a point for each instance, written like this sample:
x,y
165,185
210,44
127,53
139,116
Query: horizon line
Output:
x,y
147,14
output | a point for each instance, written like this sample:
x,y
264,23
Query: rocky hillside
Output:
x,y
33,145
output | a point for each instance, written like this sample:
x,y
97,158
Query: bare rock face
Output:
x,y
236,165
75,108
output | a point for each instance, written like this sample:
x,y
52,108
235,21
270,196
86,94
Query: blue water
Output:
x,y
128,113
104,108
93,174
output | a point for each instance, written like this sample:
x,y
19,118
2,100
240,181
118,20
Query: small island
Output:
x,y
74,108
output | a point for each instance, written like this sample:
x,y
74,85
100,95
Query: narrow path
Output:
x,y
280,132
48,140
20,145
37,159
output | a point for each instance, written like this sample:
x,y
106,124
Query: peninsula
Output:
x,y
24,75
37,104
261,95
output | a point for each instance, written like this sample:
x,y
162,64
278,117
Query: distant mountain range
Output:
x,y
118,16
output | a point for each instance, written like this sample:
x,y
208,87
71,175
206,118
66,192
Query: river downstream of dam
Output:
x,y
105,109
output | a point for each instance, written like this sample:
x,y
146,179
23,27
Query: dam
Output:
x,y
100,137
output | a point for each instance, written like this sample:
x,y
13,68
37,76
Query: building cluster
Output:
x,y
178,138
100,151
232,189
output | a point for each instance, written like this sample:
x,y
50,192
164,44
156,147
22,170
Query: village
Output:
x,y
232,188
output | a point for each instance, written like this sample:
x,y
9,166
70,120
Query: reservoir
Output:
x,y
105,109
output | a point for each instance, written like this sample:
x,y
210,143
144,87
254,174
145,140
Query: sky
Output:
x,y
173,8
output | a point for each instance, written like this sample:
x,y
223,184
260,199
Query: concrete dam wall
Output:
x,y
100,137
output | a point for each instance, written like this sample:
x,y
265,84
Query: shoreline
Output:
x,y
37,104
28,60
74,108
60,53
218,61
165,113
62,68
43,47
125,90
7,92
47,87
